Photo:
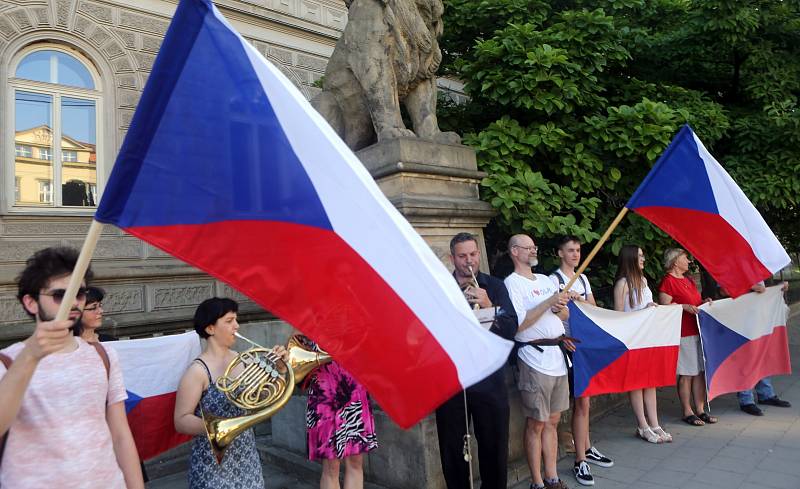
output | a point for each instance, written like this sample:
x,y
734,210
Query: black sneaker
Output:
x,y
582,473
752,409
593,456
776,401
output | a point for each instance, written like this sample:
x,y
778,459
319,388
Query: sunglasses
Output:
x,y
58,294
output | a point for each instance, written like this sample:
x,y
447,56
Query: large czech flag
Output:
x,y
744,340
152,369
227,167
693,199
624,351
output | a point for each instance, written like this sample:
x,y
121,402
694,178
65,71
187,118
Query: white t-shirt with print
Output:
x,y
526,294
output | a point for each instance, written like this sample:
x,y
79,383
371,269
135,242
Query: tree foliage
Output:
x,y
572,102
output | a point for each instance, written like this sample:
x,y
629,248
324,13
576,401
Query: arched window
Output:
x,y
56,99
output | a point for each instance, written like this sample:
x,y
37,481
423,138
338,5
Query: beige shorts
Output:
x,y
690,356
542,395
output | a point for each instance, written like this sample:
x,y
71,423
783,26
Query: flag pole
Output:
x,y
597,247
78,273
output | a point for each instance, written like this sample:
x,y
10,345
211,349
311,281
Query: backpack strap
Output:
x,y
6,361
585,289
561,282
103,356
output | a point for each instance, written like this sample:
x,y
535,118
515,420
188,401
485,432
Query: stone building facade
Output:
x,y
72,72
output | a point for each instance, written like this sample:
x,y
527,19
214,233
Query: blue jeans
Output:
x,y
763,390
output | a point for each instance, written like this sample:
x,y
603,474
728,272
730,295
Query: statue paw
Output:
x,y
447,138
395,132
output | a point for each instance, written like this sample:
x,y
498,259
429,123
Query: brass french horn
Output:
x,y
262,388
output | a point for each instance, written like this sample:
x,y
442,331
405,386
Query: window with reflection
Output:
x,y
55,131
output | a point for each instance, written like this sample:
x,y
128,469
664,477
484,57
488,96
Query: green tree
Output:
x,y
571,103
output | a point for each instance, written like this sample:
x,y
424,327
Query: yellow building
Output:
x,y
33,169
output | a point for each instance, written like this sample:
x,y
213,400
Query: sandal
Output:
x,y
648,435
707,418
693,420
666,437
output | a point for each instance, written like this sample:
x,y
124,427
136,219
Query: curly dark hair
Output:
x,y
44,266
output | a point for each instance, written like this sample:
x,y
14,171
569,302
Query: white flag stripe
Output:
x,y
751,315
739,212
649,327
154,366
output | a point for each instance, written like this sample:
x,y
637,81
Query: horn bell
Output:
x,y
263,387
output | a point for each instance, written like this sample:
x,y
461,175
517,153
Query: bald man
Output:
x,y
543,383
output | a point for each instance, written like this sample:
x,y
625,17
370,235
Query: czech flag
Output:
x,y
693,199
152,369
227,167
744,340
624,351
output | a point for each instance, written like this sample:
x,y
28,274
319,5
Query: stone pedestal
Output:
x,y
435,186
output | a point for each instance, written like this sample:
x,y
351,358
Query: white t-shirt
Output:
x,y
526,294
60,437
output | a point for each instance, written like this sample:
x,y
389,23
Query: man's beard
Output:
x,y
533,262
42,317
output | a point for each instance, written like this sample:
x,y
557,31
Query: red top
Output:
x,y
683,291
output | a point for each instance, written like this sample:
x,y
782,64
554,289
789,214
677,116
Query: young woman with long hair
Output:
x,y
631,293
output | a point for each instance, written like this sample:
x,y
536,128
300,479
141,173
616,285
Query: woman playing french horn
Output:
x,y
216,321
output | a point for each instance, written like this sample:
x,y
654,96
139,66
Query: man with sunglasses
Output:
x,y
63,419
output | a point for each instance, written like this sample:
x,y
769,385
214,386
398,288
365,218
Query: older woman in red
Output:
x,y
678,288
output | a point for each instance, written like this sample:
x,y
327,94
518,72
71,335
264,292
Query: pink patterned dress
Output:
x,y
338,416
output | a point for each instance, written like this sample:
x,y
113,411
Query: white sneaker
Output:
x,y
582,473
593,456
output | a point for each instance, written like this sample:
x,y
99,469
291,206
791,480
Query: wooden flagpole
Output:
x,y
78,273
597,247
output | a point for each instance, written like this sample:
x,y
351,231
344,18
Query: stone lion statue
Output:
x,y
388,55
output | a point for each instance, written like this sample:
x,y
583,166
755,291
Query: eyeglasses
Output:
x,y
94,307
528,248
58,294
